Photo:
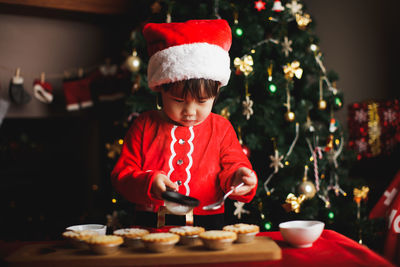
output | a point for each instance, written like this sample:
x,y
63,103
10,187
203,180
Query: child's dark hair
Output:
x,y
192,87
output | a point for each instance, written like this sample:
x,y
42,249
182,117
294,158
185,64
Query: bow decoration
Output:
x,y
293,203
293,69
360,194
244,64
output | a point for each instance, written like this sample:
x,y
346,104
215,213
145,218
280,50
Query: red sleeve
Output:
x,y
232,158
128,177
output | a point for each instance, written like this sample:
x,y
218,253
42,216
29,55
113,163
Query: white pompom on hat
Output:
x,y
188,50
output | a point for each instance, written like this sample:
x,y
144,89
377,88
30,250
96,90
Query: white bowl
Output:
x,y
301,234
98,228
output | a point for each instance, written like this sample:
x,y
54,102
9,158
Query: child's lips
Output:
x,y
189,122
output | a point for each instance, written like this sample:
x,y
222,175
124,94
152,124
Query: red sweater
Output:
x,y
203,157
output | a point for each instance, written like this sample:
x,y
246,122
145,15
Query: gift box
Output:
x,y
374,127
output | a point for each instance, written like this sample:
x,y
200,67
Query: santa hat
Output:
x,y
190,50
43,91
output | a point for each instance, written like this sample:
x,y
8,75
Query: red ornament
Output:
x,y
246,151
259,5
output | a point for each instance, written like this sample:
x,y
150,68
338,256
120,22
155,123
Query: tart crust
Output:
x,y
242,228
131,232
105,240
187,230
218,235
160,237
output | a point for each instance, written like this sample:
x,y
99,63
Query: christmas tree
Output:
x,y
281,100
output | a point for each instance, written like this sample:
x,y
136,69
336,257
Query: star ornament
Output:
x,y
239,209
247,107
276,161
286,46
259,5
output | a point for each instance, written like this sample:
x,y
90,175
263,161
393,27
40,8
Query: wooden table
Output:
x,y
269,249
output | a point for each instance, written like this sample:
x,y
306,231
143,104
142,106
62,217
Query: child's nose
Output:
x,y
190,109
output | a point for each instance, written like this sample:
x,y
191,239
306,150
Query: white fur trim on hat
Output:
x,y
189,61
41,94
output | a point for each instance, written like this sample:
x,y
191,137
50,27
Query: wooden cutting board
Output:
x,y
261,249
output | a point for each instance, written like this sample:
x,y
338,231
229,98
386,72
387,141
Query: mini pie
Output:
x,y
104,244
160,242
242,228
79,235
131,232
218,235
187,230
189,235
160,238
217,239
105,240
245,232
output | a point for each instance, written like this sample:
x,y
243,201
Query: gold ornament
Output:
x,y
303,20
114,149
225,113
290,116
306,187
293,69
322,104
133,62
360,194
293,203
244,64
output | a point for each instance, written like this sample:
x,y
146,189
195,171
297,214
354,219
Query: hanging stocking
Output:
x,y
17,92
107,83
77,93
42,90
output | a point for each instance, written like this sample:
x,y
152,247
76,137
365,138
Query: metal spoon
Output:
x,y
221,202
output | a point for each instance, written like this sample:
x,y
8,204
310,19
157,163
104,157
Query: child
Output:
x,y
184,146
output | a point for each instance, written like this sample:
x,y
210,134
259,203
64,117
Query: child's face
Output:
x,y
186,111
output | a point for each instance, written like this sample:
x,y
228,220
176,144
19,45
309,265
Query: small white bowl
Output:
x,y
301,234
98,228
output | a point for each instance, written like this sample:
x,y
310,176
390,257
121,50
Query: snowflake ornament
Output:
x,y
361,145
361,116
286,46
276,161
389,116
247,107
294,7
113,221
239,209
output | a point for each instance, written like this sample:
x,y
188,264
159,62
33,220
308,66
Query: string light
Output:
x,y
313,47
239,32
114,200
268,226
331,215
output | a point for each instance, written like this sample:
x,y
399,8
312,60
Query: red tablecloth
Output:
x,y
331,249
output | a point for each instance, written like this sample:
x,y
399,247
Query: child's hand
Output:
x,y
160,184
248,177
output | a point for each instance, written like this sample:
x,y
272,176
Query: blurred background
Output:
x,y
54,167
